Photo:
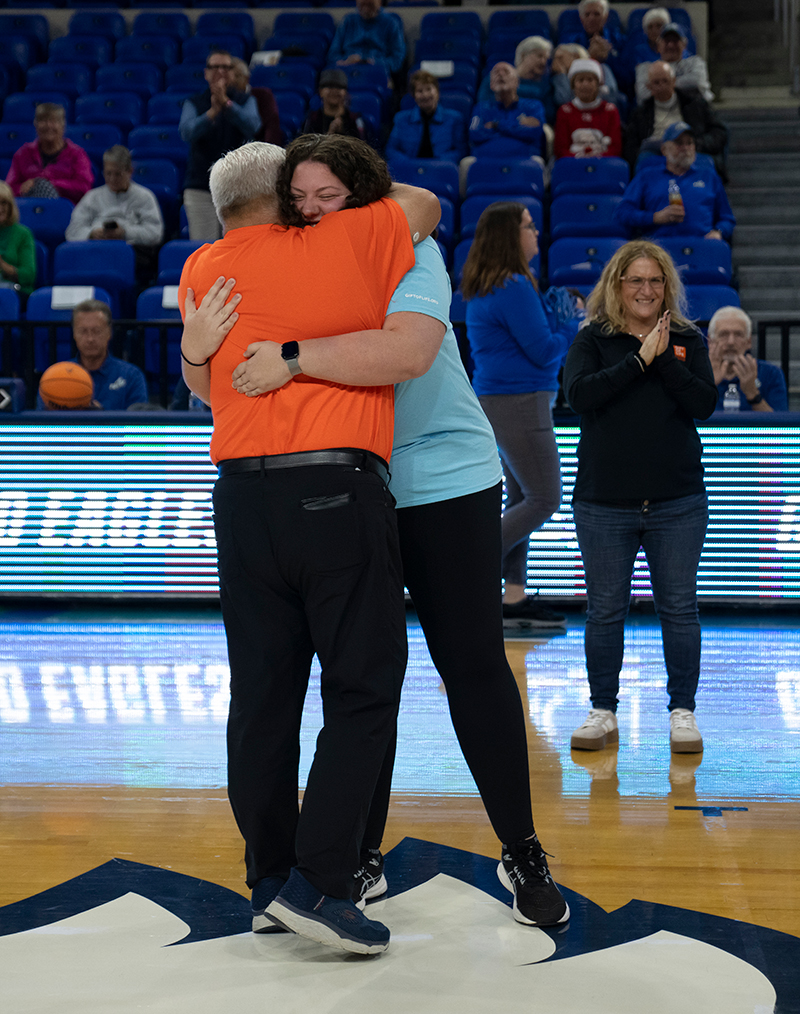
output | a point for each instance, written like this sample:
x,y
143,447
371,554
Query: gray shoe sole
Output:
x,y
594,742
313,928
686,746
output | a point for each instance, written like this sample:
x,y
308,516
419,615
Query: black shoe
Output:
x,y
369,881
524,871
531,612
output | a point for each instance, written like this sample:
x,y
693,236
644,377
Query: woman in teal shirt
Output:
x,y
17,248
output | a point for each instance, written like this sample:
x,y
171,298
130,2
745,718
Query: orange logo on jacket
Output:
x,y
680,352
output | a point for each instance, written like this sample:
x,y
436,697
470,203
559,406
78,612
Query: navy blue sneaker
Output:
x,y
264,893
334,921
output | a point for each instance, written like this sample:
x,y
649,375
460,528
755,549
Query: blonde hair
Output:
x,y
7,194
604,305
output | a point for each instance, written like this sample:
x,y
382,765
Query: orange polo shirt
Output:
x,y
334,278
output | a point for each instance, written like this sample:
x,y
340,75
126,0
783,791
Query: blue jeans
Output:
x,y
671,532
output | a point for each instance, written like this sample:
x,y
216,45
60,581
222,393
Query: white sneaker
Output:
x,y
599,729
684,736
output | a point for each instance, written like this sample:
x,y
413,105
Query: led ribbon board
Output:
x,y
105,509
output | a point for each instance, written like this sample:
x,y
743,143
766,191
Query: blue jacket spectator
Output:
x,y
760,386
603,42
530,62
509,125
369,36
429,130
677,199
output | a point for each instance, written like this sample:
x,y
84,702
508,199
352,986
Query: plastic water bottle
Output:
x,y
731,401
674,192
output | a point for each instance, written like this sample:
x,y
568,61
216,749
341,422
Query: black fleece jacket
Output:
x,y
638,436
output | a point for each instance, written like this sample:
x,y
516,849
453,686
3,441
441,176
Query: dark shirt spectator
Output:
x,y
370,35
270,130
334,115
760,386
429,130
50,166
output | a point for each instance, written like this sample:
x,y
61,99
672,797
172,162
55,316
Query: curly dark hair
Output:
x,y
350,159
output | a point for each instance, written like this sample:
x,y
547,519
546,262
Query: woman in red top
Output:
x,y
587,127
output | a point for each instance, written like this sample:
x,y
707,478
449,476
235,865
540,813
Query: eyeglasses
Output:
x,y
530,226
219,66
637,283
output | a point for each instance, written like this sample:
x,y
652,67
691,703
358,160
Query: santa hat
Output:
x,y
585,67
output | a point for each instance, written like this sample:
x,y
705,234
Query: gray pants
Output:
x,y
200,214
523,428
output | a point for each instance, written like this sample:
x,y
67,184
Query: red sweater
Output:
x,y
585,133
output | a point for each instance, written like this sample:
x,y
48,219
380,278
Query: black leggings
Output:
x,y
451,554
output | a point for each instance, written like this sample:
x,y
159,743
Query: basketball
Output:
x,y
66,385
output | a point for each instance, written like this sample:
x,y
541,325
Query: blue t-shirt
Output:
x,y
704,200
773,389
117,385
444,445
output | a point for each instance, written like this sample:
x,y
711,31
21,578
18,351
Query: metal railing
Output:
x,y
787,12
785,327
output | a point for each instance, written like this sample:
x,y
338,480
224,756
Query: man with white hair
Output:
x,y
759,386
509,126
306,534
600,38
691,71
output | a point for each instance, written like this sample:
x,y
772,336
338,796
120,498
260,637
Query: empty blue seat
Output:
x,y
473,207
172,23
700,261
151,306
218,24
157,172
292,110
109,24
90,50
501,46
199,47
433,174
459,259
9,304
165,107
20,107
159,141
705,300
316,23
122,109
367,77
291,77
310,49
156,49
34,27
94,138
144,79
47,219
13,136
186,78
110,264
580,261
15,55
585,215
171,258
42,263
71,78
453,47
464,77
505,176
447,22
41,308
521,22
589,176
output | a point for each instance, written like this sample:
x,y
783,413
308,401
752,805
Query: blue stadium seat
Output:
x,y
42,263
110,264
505,176
5,82
461,101
589,176
156,49
110,24
299,48
144,79
40,307
447,22
199,47
13,136
171,23
165,107
34,27
366,77
434,174
453,47
90,50
463,78
161,176
94,138
9,304
47,219
585,215
473,206
502,46
218,24
71,78
171,258
700,261
369,106
446,229
580,261
460,257
120,108
292,109
159,141
16,58
316,23
291,77
9,342
150,306
186,79
705,300
522,23
20,107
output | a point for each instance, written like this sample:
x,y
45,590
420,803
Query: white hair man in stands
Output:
x,y
760,385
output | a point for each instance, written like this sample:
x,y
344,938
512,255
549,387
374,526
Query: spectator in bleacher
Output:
x,y
17,246
559,71
213,122
678,198
370,35
761,386
531,59
690,71
429,130
509,125
602,40
334,116
588,126
118,385
52,165
667,106
642,47
270,130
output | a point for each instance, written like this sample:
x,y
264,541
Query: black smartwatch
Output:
x,y
757,400
289,353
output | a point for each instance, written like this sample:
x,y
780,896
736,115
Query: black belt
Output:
x,y
363,460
